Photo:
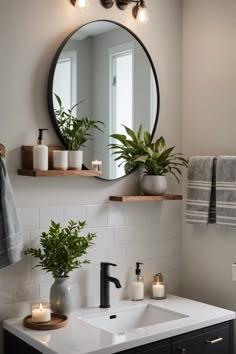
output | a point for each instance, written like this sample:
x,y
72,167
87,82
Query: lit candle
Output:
x,y
158,290
158,287
97,165
41,313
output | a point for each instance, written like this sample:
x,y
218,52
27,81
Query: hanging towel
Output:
x,y
201,208
11,240
226,191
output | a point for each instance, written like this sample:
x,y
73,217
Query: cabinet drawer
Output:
x,y
162,347
215,341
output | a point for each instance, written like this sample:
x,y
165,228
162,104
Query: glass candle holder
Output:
x,y
158,287
97,165
41,312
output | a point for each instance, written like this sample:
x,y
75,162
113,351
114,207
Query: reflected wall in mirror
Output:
x,y
107,67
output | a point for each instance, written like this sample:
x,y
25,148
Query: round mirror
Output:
x,y
105,73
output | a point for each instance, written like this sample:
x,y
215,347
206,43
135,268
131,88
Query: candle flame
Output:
x,y
40,307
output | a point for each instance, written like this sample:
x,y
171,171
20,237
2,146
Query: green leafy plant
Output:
x,y
75,131
156,159
61,248
129,148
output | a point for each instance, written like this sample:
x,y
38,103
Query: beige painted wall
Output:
x,y
209,127
30,33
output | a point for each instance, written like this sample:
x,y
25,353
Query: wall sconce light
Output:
x,y
139,10
81,4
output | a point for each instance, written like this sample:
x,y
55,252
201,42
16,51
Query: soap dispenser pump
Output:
x,y
40,154
137,286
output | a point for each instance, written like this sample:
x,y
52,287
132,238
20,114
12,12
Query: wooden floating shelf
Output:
x,y
27,166
144,198
59,173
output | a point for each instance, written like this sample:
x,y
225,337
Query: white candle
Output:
x,y
97,165
41,313
137,289
158,290
60,160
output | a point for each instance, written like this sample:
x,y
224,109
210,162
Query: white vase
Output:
x,y
60,296
60,160
153,185
75,160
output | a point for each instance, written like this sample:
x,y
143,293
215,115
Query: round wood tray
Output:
x,y
57,321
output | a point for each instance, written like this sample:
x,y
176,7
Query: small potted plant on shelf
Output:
x,y
75,132
59,254
156,159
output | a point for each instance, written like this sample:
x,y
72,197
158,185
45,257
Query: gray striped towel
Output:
x,y
200,207
11,240
226,191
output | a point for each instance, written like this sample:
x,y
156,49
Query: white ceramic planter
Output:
x,y
153,185
60,160
75,160
60,296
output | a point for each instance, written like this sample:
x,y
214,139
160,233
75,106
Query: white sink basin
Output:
x,y
124,320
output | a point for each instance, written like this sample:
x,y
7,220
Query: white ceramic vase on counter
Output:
x,y
60,296
153,185
75,160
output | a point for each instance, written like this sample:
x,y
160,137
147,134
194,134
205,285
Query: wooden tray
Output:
x,y
57,321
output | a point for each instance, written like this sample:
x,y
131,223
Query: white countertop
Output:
x,y
79,337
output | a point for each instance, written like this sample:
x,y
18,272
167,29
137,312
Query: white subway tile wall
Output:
x,y
126,233
74,212
47,214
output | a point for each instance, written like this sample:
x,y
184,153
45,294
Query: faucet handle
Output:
x,y
107,264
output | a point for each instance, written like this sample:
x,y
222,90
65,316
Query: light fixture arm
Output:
x,y
139,7
121,4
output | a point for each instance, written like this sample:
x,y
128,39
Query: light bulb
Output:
x,y
142,15
82,4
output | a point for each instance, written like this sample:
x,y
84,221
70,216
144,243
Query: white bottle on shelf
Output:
x,y
137,286
40,154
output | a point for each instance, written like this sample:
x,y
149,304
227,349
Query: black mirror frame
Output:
x,y
51,77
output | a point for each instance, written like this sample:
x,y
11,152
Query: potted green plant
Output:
x,y
61,248
75,132
156,159
129,149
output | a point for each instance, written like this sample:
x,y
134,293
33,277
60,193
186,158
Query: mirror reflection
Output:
x,y
107,68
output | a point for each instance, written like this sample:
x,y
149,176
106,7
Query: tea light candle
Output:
x,y
41,313
97,165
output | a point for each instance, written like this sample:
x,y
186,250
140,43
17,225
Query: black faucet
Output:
x,y
105,279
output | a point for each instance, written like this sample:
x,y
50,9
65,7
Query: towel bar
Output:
x,y
2,151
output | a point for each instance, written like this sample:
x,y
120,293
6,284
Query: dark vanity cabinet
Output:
x,y
161,347
14,345
217,339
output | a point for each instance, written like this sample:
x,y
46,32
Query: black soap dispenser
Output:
x,y
137,286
